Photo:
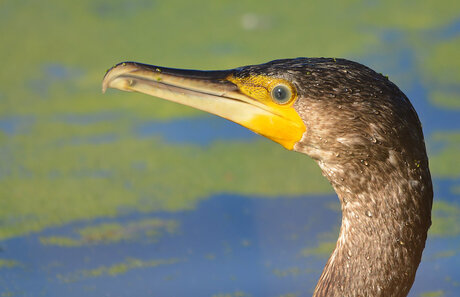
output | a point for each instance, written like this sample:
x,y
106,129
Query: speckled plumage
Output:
x,y
367,139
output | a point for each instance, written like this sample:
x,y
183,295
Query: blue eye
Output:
x,y
281,94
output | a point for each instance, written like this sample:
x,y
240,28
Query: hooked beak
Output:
x,y
210,91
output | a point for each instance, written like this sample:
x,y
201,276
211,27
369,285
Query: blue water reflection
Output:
x,y
201,131
228,244
11,125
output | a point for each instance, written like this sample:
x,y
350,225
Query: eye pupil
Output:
x,y
281,94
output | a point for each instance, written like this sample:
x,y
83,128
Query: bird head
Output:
x,y
260,101
361,129
323,107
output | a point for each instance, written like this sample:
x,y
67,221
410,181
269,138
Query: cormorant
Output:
x,y
359,127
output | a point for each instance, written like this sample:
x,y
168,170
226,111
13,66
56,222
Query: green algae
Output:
x,y
116,269
323,250
245,242
150,229
234,294
444,65
210,256
447,100
61,174
7,263
288,272
410,15
438,293
445,254
11,293
446,219
327,241
444,163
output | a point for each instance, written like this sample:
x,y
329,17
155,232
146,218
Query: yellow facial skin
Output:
x,y
250,104
285,126
260,87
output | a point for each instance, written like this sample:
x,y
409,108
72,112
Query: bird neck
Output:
x,y
386,210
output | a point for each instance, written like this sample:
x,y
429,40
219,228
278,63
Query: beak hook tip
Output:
x,y
113,72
